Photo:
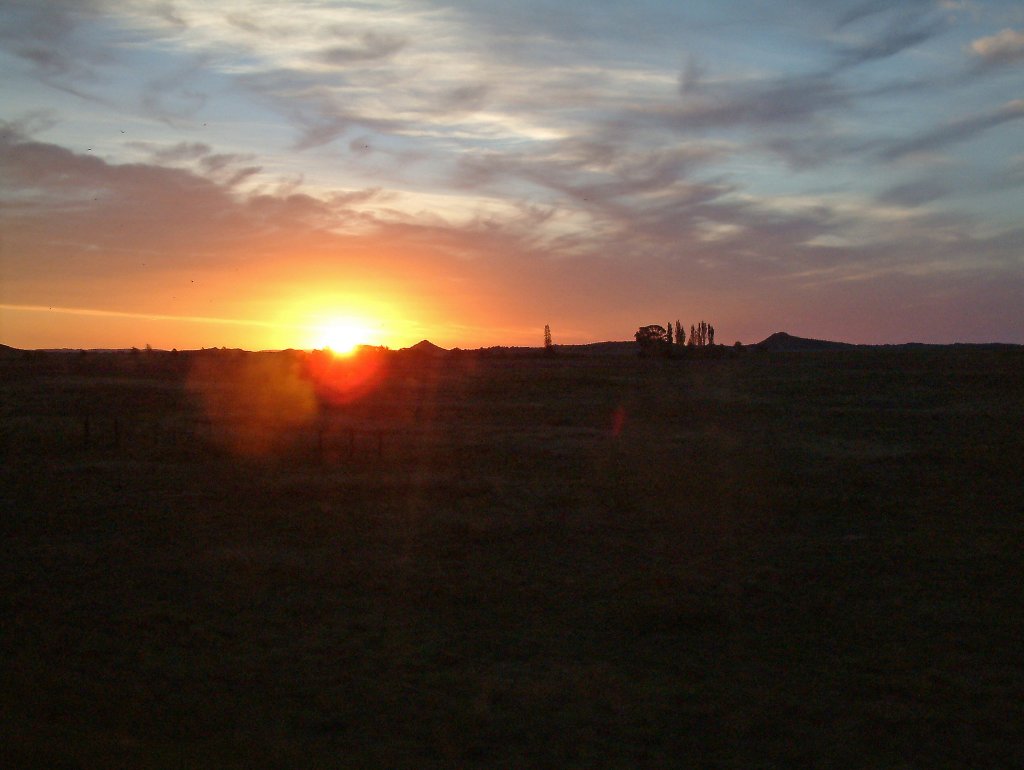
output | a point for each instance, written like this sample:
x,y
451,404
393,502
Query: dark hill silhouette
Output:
x,y
600,348
787,343
425,348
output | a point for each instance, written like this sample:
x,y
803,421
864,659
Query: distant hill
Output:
x,y
425,348
787,343
600,348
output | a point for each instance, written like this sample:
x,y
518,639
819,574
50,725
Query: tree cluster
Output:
x,y
672,338
701,336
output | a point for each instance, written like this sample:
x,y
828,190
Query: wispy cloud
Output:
x,y
778,101
956,131
892,42
860,11
912,194
174,96
1002,49
367,47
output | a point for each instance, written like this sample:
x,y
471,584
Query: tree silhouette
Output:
x,y
651,339
703,334
665,340
549,348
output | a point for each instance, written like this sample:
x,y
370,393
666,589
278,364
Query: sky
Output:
x,y
206,173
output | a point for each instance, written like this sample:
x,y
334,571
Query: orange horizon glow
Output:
x,y
342,336
298,324
290,319
290,325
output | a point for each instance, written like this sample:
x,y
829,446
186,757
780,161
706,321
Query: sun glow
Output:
x,y
343,336
339,322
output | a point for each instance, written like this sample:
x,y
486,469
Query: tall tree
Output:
x,y
680,334
711,334
693,336
548,346
668,333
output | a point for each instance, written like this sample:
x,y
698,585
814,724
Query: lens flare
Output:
x,y
256,403
341,380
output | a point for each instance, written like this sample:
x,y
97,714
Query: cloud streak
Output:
x,y
96,313
892,42
956,131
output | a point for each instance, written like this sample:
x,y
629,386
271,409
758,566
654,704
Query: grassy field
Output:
x,y
762,560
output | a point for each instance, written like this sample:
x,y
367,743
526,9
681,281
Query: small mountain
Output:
x,y
787,343
425,348
7,350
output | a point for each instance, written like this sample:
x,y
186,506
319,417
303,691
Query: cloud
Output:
x,y
48,61
320,130
778,101
1002,49
861,11
632,230
33,165
691,76
173,97
223,167
616,182
70,204
803,149
956,131
166,12
467,98
48,36
913,194
177,152
1011,176
316,111
893,42
243,22
369,47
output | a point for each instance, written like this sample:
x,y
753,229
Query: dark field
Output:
x,y
767,560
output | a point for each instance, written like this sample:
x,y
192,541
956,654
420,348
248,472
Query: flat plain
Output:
x,y
755,560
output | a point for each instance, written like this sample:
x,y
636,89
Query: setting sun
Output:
x,y
343,336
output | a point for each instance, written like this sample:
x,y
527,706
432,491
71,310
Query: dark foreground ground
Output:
x,y
770,560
